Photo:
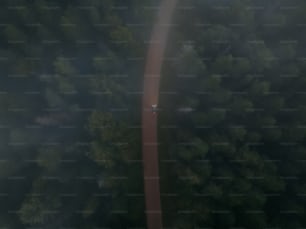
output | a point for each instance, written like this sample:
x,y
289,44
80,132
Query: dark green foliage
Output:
x,y
65,69
70,114
238,156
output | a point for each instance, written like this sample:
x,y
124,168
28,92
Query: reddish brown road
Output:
x,y
149,120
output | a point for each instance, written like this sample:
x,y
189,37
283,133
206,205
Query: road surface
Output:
x,y
154,61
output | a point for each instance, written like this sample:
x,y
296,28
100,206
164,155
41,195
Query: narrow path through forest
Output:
x,y
154,61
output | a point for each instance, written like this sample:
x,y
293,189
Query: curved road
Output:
x,y
149,120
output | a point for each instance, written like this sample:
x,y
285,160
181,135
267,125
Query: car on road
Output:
x,y
154,108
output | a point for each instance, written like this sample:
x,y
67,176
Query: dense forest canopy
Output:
x,y
232,120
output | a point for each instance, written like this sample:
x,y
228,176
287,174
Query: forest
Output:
x,y
231,119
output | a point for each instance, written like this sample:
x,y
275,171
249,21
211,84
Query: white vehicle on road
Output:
x,y
154,108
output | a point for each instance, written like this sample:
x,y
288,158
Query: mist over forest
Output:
x,y
231,117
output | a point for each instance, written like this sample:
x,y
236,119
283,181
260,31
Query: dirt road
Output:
x,y
149,120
